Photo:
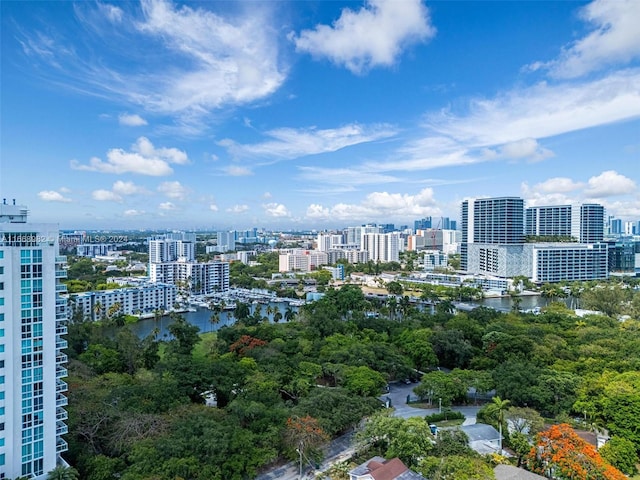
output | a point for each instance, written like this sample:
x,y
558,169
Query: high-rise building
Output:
x,y
32,325
583,222
382,247
491,221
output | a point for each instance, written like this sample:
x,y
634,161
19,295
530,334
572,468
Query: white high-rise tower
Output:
x,y
32,325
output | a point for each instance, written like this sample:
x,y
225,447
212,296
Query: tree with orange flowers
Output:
x,y
560,453
305,435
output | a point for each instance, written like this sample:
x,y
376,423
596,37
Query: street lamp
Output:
x,y
440,405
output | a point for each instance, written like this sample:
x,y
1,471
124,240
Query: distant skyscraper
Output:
x,y
32,325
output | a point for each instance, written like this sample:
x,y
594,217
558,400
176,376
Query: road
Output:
x,y
343,447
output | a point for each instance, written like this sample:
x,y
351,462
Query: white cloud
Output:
x,y
527,148
143,159
542,111
201,61
229,61
371,37
213,207
276,210
289,143
615,39
377,205
53,196
127,188
267,195
237,171
558,185
133,213
167,206
105,196
238,209
113,13
345,176
64,190
173,190
131,120
610,183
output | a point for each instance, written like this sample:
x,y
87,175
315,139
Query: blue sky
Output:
x,y
315,114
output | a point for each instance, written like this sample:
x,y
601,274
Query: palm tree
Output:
x,y
496,410
214,319
63,473
277,316
97,310
289,314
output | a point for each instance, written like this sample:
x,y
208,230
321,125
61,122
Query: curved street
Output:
x,y
343,447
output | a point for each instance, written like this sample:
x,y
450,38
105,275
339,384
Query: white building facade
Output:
x,y
32,325
202,278
141,299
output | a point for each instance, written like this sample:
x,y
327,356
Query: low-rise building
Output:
x,y
136,300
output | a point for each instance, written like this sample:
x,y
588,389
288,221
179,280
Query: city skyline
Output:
x,y
315,114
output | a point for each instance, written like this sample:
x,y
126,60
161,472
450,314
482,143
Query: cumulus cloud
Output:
x,y
610,183
131,120
378,205
105,196
173,190
558,185
290,143
143,159
127,188
238,208
614,39
213,207
371,37
276,210
53,196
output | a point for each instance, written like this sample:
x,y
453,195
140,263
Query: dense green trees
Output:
x,y
137,405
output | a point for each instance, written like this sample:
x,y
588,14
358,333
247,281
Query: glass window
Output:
x,y
25,256
36,256
1,253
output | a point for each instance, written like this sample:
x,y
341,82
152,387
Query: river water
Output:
x,y
202,319
202,316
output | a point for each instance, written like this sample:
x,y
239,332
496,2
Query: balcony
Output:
x,y
61,400
61,274
61,259
61,302
61,329
61,445
61,344
61,372
61,414
61,386
61,358
61,428
61,288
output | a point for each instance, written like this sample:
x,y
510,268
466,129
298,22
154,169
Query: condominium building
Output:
x,y
329,241
490,221
171,247
493,240
140,299
297,260
583,222
382,247
93,250
201,278
32,324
